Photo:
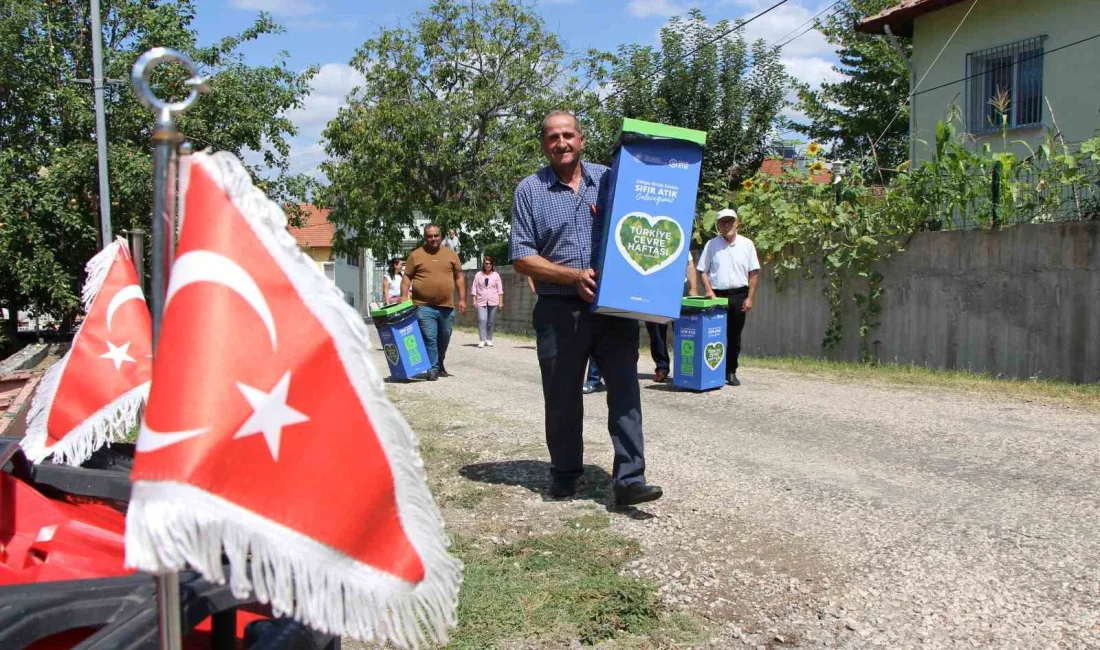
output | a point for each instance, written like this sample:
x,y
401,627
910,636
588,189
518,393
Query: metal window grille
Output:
x,y
1014,71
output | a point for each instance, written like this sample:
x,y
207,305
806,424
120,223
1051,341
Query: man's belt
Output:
x,y
725,293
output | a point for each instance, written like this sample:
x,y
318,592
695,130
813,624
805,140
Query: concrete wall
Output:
x,y
1022,302
1071,78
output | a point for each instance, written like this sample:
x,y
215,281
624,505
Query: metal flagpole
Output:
x,y
98,83
166,139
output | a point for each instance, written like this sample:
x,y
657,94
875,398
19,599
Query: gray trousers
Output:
x,y
486,320
567,332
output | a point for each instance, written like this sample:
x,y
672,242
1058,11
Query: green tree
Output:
x,y
730,88
49,205
852,113
445,124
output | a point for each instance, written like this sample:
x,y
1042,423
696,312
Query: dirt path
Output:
x,y
805,512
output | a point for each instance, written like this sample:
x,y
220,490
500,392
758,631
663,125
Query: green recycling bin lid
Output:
x,y
655,130
702,302
389,310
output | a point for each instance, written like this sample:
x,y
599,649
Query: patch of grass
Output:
x,y
552,588
1047,390
435,453
590,521
468,498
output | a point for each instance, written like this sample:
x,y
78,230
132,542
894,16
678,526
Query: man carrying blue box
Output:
x,y
557,217
730,268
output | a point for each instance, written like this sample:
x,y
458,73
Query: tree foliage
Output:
x,y
445,124
854,112
730,88
49,205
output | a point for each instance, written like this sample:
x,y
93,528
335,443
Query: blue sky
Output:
x,y
326,33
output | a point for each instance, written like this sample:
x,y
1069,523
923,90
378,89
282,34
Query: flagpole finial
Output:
x,y
143,69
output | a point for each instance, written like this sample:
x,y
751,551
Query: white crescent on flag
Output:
x,y
205,266
131,292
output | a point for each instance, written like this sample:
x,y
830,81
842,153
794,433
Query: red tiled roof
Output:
x,y
774,167
900,16
317,231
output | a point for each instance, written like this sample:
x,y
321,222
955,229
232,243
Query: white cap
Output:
x,y
728,213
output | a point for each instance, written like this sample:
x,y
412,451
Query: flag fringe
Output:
x,y
286,577
110,423
172,525
97,268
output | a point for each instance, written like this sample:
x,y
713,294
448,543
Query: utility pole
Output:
x,y
98,83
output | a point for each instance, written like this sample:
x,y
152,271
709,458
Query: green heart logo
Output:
x,y
713,354
392,355
649,243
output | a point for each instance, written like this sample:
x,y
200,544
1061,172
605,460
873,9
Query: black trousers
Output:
x,y
735,325
658,345
567,332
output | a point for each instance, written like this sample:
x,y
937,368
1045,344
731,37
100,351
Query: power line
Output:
x,y
1007,65
712,41
813,25
923,77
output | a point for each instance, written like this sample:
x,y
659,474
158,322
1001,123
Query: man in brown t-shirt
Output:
x,y
432,273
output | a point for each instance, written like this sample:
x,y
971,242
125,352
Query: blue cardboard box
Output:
x,y
648,221
402,342
699,344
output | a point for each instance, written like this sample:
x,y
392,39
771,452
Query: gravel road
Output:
x,y
804,511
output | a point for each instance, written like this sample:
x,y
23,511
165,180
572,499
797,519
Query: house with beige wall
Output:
x,y
967,51
348,272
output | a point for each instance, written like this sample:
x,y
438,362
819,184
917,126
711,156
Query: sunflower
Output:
x,y
765,185
817,167
748,184
814,149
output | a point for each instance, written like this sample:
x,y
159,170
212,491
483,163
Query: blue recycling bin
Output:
x,y
699,345
399,331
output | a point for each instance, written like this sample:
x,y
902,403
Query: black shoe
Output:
x,y
636,493
732,380
433,375
560,490
443,372
660,375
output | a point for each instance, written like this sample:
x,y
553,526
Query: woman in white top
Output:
x,y
391,282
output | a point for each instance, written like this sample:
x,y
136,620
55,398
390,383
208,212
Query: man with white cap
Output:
x,y
729,268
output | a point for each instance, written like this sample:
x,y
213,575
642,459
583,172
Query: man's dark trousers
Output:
x,y
658,345
734,326
567,332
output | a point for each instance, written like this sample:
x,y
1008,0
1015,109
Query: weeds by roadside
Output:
x,y
535,577
1048,390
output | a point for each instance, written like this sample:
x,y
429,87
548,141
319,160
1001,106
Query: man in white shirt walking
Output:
x,y
729,268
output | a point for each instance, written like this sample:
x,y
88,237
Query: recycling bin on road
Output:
x,y
399,332
699,345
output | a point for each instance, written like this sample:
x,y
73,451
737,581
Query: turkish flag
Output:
x,y
94,394
268,434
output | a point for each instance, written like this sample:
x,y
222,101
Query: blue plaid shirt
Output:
x,y
551,220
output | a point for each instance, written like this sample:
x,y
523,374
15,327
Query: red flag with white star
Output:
x,y
94,394
268,435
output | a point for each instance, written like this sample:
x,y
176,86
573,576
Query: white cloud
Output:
x,y
788,22
280,7
812,70
647,8
328,90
